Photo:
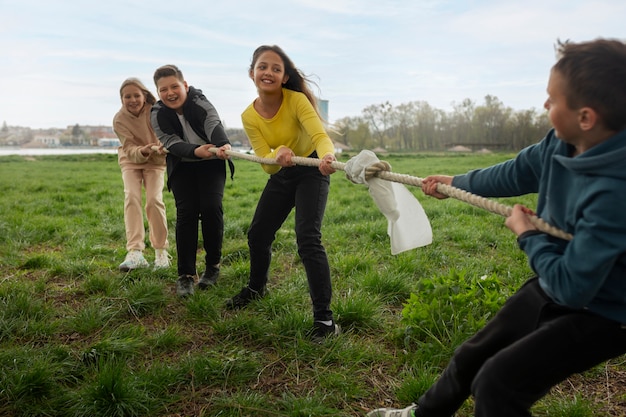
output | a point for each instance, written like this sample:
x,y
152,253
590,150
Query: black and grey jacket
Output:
x,y
204,121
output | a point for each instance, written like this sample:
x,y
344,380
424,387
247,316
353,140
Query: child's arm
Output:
x,y
130,144
261,147
173,143
573,273
313,126
212,124
518,222
429,185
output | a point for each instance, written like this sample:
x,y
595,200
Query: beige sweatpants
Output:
x,y
153,181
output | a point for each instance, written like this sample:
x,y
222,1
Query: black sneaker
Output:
x,y
321,331
209,278
245,296
184,285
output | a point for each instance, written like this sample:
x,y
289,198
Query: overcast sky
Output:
x,y
62,62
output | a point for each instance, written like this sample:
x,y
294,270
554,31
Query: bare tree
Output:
x,y
489,122
352,131
404,123
461,122
379,118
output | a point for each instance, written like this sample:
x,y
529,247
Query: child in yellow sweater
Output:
x,y
283,122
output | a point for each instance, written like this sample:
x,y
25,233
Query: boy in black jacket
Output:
x,y
187,125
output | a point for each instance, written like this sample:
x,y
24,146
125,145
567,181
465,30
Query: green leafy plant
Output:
x,y
447,309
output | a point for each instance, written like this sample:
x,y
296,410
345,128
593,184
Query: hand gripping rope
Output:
x,y
382,170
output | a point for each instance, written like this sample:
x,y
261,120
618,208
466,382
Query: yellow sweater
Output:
x,y
135,132
296,125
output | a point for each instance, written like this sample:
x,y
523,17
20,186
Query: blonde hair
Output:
x,y
150,99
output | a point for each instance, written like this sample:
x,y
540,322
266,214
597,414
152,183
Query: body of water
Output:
x,y
68,150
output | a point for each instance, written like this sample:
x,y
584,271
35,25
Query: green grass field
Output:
x,y
80,338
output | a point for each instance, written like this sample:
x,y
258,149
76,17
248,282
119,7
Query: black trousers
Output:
x,y
531,345
306,189
198,189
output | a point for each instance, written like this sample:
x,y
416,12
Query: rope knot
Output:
x,y
374,169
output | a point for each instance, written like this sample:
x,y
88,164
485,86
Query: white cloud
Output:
x,y
63,62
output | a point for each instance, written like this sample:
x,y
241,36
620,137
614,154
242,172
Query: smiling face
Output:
x,y
133,99
172,92
268,72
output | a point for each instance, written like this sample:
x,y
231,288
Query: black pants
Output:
x,y
198,189
531,345
306,189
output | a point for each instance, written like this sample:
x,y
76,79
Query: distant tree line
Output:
x,y
409,127
417,126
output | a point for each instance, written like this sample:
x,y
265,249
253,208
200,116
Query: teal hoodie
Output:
x,y
583,195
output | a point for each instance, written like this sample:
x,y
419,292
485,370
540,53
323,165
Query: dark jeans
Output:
x,y
198,189
531,345
306,189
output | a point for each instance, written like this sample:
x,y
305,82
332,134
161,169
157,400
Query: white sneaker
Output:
x,y
134,259
393,412
161,259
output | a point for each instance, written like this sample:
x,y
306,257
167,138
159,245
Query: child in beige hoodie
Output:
x,y
141,165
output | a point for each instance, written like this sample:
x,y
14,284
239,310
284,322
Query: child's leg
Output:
x,y
133,215
566,342
275,204
183,185
311,198
155,208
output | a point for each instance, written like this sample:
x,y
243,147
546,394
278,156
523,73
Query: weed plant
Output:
x,y
80,338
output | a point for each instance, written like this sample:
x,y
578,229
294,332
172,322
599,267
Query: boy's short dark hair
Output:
x,y
595,73
168,71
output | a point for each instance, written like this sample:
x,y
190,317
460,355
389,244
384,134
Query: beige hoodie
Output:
x,y
135,132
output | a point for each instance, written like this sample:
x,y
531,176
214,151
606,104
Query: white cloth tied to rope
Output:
x,y
407,224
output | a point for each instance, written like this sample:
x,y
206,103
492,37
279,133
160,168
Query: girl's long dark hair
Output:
x,y
297,80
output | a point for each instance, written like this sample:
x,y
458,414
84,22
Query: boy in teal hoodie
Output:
x,y
572,315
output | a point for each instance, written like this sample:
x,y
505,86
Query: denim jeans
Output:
x,y
531,345
306,189
198,189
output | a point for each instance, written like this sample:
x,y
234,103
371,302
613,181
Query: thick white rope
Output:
x,y
449,191
381,170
